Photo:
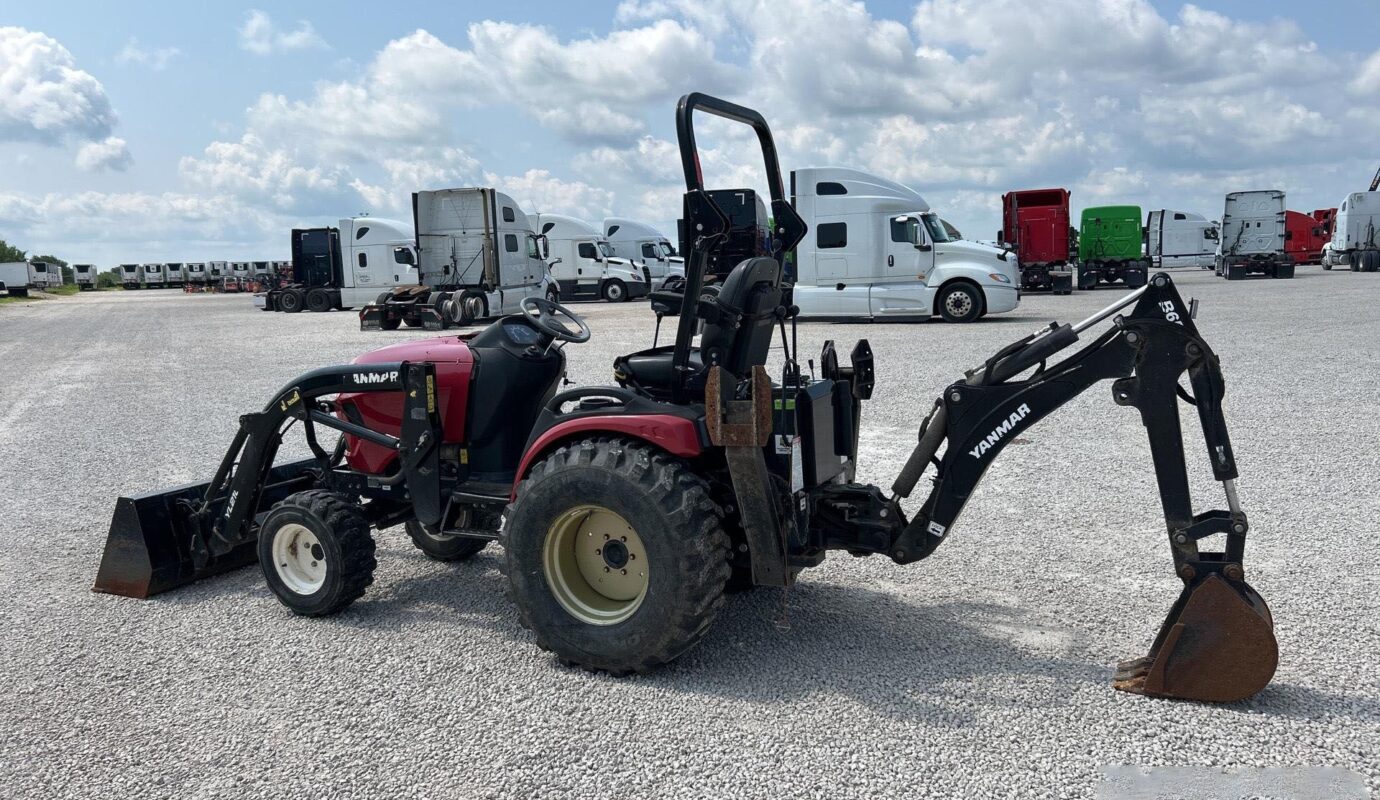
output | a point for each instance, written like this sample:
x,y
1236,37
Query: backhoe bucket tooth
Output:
x,y
1217,645
157,543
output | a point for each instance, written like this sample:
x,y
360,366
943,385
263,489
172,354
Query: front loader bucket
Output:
x,y
1217,645
157,542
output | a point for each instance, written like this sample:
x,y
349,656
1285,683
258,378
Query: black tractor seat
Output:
x,y
737,334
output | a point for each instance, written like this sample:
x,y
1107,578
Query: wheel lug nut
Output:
x,y
598,551
625,572
606,569
624,538
632,556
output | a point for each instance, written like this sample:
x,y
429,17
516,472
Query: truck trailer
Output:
x,y
85,276
875,250
197,274
582,261
154,277
131,276
345,266
1180,239
175,274
1356,236
1035,225
14,278
477,257
1253,236
1109,247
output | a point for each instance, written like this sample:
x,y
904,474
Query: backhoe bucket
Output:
x,y
1217,645
158,542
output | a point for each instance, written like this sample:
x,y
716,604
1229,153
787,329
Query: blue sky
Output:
x,y
218,141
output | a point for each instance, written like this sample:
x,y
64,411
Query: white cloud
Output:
x,y
44,97
249,168
110,153
539,192
259,35
156,58
1367,80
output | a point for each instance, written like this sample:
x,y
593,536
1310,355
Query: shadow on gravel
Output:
x,y
1307,703
904,660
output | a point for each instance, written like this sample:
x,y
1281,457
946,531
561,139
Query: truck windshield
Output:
x,y
936,229
606,249
666,250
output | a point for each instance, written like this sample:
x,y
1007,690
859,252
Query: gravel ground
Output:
x,y
982,671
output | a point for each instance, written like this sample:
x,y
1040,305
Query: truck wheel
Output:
x,y
316,552
390,323
1369,260
960,302
290,301
615,555
319,300
412,322
443,546
615,291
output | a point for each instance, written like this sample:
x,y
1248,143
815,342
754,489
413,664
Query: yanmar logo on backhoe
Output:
x,y
1000,431
364,378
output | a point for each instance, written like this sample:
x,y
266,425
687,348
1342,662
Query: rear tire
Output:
x,y
443,547
1353,260
319,300
615,555
290,301
615,291
960,302
1370,260
316,552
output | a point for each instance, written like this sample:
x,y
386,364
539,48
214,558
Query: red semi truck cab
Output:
x,y
1036,223
1304,236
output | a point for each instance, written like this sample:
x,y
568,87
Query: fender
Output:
x,y
678,436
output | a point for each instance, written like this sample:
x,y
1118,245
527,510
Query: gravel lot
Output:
x,y
982,671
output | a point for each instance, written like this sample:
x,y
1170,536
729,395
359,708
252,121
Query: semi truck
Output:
x,y
1035,225
1356,235
240,271
477,257
131,276
1109,247
14,278
1303,238
581,260
174,274
875,250
215,270
1180,239
84,275
637,241
344,266
1252,240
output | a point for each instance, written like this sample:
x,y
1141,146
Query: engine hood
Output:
x,y
963,247
440,349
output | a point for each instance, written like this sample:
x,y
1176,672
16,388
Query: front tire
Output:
x,y
615,291
960,302
316,552
615,555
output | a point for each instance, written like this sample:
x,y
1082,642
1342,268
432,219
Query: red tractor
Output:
x,y
626,511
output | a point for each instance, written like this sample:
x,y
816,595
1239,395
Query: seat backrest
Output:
x,y
752,289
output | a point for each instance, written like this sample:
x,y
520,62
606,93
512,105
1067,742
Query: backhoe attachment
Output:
x,y
1217,643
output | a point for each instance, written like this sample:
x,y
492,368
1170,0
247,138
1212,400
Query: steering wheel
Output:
x,y
551,318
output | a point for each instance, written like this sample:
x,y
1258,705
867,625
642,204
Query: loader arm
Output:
x,y
1218,642
166,539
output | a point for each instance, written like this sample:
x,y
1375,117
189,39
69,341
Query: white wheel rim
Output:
x,y
615,292
958,303
299,559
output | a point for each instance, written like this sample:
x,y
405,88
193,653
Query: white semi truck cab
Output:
x,y
875,250
583,263
641,243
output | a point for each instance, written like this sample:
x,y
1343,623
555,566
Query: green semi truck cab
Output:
x,y
1110,242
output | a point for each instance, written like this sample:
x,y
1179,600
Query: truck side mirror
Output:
x,y
553,262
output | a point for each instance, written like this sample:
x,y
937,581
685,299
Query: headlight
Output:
x,y
998,277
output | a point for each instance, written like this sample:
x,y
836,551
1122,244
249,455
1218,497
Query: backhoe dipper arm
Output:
x,y
1230,646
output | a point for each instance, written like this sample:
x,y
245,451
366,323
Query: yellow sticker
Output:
x,y
464,456
430,394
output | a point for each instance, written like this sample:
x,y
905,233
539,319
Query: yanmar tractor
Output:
x,y
624,512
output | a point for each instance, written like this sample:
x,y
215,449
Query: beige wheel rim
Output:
x,y
595,564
